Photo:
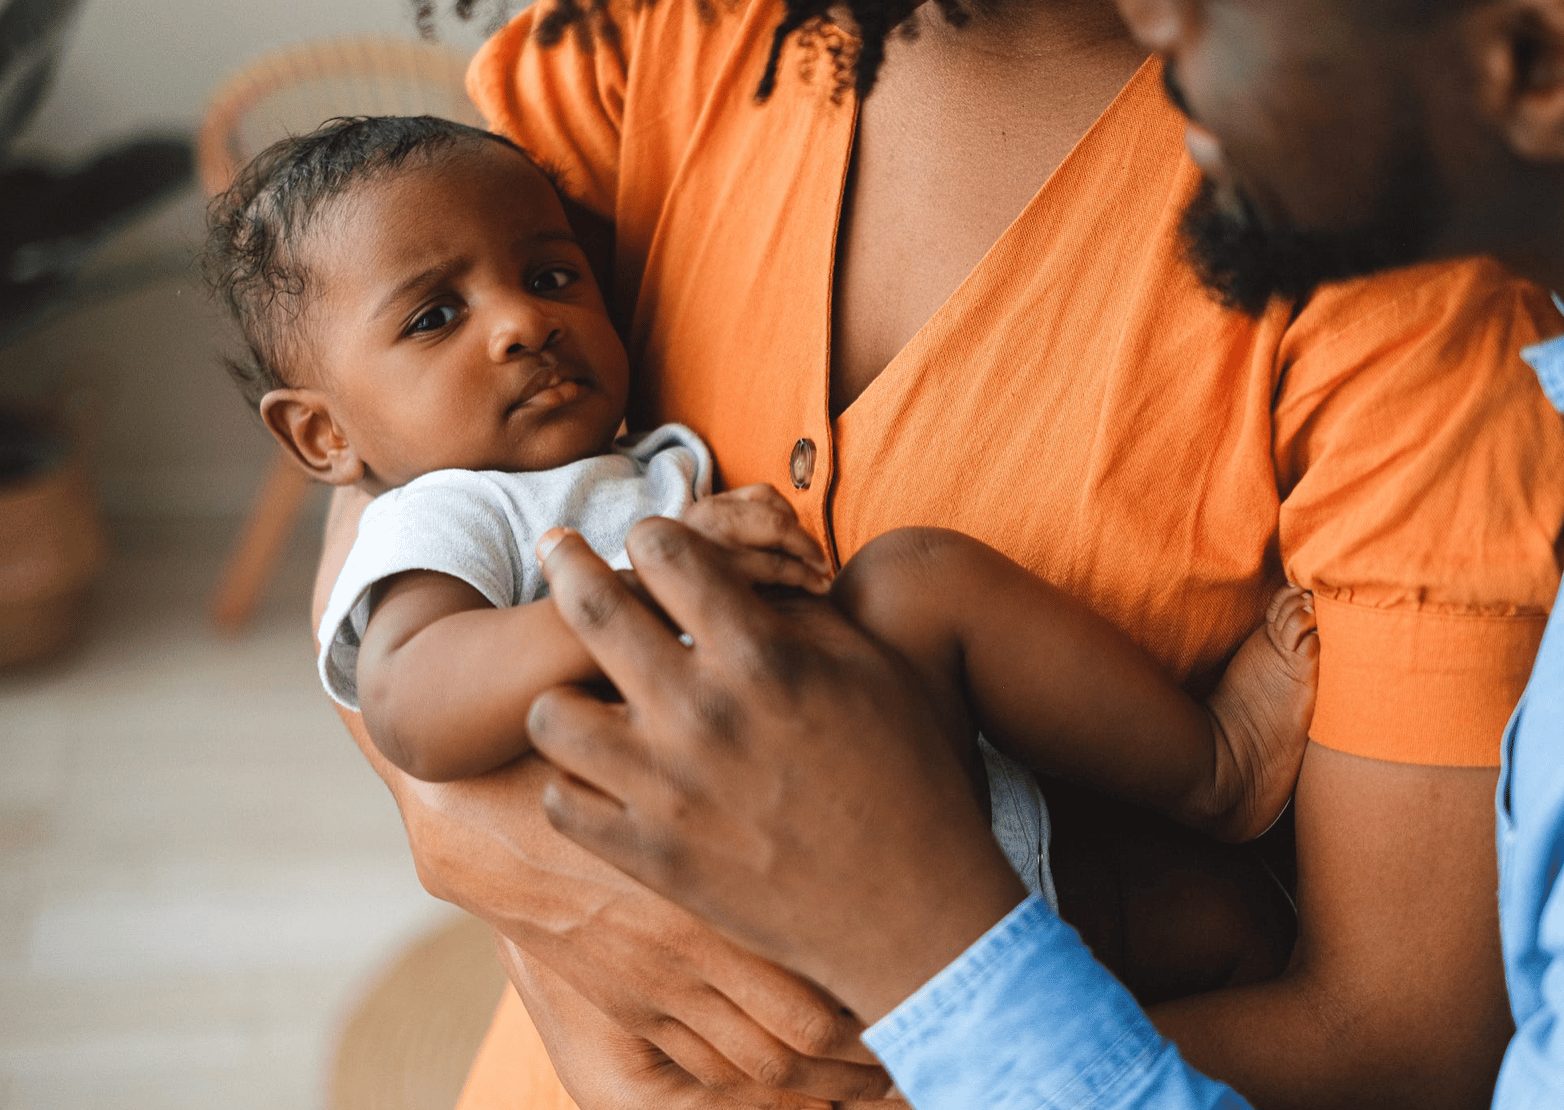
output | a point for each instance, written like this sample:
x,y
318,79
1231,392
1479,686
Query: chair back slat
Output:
x,y
295,90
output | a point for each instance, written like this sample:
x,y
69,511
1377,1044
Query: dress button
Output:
x,y
802,465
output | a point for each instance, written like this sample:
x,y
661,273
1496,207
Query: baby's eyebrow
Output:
x,y
421,280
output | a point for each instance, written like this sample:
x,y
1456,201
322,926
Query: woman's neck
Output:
x,y
1039,29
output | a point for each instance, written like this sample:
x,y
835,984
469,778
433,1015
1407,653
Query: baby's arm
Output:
x,y
445,680
1054,685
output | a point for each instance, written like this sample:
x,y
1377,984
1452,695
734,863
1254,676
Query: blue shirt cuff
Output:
x,y
1027,1018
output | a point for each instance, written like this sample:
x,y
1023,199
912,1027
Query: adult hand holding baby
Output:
x,y
783,776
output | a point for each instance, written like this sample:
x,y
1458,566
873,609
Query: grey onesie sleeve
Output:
x,y
482,526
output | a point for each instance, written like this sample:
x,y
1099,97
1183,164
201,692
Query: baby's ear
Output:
x,y
301,420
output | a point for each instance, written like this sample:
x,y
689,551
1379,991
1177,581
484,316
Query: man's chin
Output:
x,y
1247,264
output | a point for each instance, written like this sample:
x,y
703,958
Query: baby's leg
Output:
x,y
1262,710
904,590
1170,914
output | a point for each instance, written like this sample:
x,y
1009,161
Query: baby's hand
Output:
x,y
769,546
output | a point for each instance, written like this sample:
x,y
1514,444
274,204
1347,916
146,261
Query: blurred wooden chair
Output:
x,y
290,92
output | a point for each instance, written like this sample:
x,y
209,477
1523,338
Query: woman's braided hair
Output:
x,y
855,67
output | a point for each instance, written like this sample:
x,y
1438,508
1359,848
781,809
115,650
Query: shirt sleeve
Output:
x,y
563,103
1420,471
1026,1019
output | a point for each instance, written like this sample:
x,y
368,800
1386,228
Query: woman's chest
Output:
x,y
1076,401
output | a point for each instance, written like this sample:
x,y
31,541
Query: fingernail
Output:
x,y
549,541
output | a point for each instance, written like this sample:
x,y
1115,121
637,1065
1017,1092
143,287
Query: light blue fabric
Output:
x,y
1026,1019
1547,359
1531,851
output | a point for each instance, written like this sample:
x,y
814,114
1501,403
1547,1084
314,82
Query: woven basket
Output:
x,y
52,545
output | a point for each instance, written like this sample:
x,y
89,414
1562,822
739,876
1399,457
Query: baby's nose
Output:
x,y
519,332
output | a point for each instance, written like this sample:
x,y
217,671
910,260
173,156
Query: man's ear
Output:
x,y
1521,47
301,420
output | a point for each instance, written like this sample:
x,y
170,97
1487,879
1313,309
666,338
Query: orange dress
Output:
x,y
1078,403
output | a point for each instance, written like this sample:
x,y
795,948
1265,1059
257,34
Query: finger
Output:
x,y
764,521
773,568
590,739
790,535
711,1069
598,1062
595,821
795,1011
693,581
772,1064
635,648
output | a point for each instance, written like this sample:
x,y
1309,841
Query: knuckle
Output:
x,y
657,539
701,512
775,1068
660,1028
717,712
817,1034
782,663
777,565
596,605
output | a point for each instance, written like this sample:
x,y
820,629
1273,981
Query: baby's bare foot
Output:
x,y
1262,710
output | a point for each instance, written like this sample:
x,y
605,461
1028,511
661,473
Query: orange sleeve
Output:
x,y
564,105
1422,481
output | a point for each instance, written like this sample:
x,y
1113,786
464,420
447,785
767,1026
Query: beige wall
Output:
x,y
171,437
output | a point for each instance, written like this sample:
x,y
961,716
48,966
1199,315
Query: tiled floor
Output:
x,y
197,871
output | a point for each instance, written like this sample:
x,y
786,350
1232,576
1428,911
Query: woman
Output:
x,y
962,301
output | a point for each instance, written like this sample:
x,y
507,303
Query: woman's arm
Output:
x,y
1395,995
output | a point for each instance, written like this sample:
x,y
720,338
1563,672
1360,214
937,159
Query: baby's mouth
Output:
x,y
550,387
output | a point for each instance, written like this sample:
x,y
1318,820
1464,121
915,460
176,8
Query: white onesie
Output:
x,y
481,526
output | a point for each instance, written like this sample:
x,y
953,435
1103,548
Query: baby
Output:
x,y
423,323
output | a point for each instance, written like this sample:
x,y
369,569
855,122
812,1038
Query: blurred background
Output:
x,y
206,898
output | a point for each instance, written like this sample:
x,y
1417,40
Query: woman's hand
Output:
x,y
783,777
604,1068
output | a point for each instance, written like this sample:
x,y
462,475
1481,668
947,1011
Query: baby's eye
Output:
x,y
433,320
553,280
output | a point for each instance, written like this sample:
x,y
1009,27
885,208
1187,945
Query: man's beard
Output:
x,y
1246,262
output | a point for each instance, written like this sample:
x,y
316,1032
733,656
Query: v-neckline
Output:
x,y
896,366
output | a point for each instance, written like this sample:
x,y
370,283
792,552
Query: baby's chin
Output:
x,y
581,428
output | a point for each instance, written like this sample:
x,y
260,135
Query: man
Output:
x,y
1339,137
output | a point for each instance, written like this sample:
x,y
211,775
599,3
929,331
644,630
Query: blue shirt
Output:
x,y
1026,1019
1531,851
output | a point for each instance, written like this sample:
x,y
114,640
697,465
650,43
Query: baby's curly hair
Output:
x,y
250,261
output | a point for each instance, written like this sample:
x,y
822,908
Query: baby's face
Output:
x,y
457,323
